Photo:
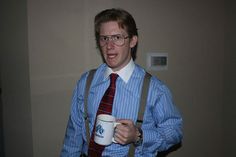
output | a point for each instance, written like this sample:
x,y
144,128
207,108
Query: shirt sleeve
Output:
x,y
73,141
162,127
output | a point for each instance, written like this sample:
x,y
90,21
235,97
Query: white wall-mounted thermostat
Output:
x,y
157,61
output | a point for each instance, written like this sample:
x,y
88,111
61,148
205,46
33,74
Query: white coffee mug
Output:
x,y
104,130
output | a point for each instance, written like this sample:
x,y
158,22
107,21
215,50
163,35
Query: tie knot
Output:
x,y
113,77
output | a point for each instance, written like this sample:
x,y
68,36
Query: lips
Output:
x,y
111,56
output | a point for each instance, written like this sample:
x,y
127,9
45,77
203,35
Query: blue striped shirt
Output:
x,y
162,123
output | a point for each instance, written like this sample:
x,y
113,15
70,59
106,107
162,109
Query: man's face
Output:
x,y
116,55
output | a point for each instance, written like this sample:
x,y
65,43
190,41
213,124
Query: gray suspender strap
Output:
x,y
143,102
142,105
88,83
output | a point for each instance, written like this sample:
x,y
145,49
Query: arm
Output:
x,y
73,140
162,126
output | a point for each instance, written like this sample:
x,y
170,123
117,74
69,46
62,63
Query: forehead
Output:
x,y
110,28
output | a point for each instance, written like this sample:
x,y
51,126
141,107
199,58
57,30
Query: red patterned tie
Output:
x,y
105,107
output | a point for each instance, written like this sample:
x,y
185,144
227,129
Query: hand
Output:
x,y
126,132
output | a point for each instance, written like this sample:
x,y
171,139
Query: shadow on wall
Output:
x,y
171,149
1,126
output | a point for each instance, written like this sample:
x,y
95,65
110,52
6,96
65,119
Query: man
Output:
x,y
117,38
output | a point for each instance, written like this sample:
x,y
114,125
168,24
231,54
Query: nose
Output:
x,y
110,44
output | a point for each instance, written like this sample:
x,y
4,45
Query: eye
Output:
x,y
104,38
116,37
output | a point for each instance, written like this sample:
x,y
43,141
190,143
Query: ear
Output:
x,y
133,41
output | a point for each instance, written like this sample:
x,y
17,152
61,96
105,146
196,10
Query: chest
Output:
x,y
126,99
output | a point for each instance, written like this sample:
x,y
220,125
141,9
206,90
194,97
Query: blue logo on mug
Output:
x,y
99,129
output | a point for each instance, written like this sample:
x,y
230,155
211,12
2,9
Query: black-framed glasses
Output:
x,y
116,39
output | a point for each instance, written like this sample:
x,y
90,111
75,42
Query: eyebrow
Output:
x,y
112,35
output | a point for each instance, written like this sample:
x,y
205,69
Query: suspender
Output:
x,y
88,83
142,105
143,102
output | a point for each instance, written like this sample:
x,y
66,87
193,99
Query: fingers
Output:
x,y
125,132
119,138
125,121
125,126
122,134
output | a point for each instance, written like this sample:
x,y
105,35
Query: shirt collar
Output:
x,y
125,73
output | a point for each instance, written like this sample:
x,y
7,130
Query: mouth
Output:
x,y
111,56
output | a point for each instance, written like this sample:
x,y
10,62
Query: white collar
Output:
x,y
124,73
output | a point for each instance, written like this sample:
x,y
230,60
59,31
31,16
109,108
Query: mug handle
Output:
x,y
115,124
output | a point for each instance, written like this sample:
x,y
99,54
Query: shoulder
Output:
x,y
154,81
139,72
98,71
158,87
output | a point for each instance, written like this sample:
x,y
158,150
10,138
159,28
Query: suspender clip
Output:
x,y
139,121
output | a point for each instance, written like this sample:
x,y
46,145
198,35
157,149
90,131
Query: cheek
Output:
x,y
103,50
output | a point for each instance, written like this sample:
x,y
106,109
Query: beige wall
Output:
x,y
61,47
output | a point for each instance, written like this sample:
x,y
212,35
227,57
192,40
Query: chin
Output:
x,y
111,63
